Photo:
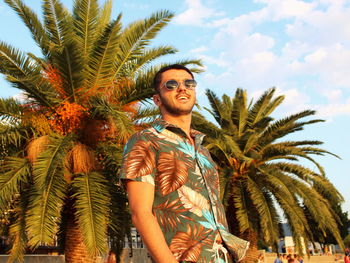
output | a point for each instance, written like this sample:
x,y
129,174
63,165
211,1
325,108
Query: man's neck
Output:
x,y
183,122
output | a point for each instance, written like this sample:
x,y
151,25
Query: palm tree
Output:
x,y
262,179
63,142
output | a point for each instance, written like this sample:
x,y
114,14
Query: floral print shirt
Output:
x,y
186,199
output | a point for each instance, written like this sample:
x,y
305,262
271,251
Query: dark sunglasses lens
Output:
x,y
171,84
190,83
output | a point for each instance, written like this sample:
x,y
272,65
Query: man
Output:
x,y
278,259
172,183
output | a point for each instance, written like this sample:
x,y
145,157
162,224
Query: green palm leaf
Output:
x,y
33,23
104,16
14,135
137,36
92,208
18,228
14,172
22,73
10,110
50,191
263,206
85,14
239,112
65,50
148,56
102,59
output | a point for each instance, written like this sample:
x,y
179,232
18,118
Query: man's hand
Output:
x,y
141,197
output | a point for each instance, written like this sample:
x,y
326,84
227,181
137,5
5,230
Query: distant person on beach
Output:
x,y
111,258
347,258
278,259
261,258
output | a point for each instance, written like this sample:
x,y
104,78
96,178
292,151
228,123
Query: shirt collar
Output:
x,y
159,125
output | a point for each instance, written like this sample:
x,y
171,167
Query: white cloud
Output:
x,y
287,8
333,95
331,64
331,110
200,49
213,60
240,45
308,60
196,14
322,27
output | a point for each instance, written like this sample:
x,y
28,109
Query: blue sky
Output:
x,y
300,47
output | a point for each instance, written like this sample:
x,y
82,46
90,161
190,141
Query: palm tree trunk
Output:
x,y
249,235
75,250
252,253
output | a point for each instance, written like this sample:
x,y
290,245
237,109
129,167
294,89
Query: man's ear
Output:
x,y
157,100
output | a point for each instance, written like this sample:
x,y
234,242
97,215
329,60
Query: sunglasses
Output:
x,y
173,84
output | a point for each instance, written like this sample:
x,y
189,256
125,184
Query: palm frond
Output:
x,y
298,170
318,208
10,109
217,110
18,228
14,135
66,55
101,61
326,189
120,219
22,73
268,221
32,22
148,56
85,18
238,196
286,126
137,36
199,122
54,15
239,112
146,114
50,191
317,151
92,205
14,172
104,16
263,107
102,109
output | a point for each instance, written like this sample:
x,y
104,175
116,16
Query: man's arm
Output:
x,y
140,196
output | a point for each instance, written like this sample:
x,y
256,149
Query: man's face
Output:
x,y
179,101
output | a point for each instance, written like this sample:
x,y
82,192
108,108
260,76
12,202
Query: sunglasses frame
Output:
x,y
189,87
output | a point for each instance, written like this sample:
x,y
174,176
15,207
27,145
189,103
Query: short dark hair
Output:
x,y
158,77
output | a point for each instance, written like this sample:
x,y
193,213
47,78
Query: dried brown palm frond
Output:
x,y
82,159
36,146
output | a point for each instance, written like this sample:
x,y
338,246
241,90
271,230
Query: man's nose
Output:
x,y
181,86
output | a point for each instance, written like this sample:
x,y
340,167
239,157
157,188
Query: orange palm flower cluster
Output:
x,y
68,117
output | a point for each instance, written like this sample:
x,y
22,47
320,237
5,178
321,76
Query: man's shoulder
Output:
x,y
144,134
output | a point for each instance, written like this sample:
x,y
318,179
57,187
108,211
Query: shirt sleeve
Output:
x,y
139,160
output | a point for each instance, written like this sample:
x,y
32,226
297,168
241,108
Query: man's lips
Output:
x,y
182,96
